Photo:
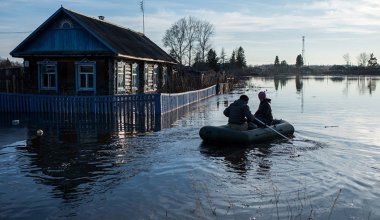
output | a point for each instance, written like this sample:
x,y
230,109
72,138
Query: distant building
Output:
x,y
72,54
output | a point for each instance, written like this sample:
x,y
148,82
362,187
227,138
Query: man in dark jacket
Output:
x,y
264,112
238,114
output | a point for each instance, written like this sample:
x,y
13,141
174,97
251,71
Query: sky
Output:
x,y
264,28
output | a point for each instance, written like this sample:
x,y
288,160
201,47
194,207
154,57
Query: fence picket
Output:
x,y
141,109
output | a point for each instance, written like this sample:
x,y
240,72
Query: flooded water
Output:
x,y
330,169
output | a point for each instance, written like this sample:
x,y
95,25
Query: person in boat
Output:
x,y
239,115
264,112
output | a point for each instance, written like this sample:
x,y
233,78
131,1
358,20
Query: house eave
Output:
x,y
61,54
145,59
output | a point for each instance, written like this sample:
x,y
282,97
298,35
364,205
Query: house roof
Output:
x,y
123,42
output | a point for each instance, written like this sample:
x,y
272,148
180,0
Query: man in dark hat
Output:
x,y
238,113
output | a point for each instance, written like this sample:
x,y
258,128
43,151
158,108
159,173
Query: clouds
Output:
x,y
343,12
323,16
264,28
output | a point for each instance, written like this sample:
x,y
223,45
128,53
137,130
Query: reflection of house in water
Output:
x,y
69,164
75,158
75,154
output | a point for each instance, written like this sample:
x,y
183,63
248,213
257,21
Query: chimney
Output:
x,y
101,17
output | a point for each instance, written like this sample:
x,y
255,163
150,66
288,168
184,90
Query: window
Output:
x,y
135,78
47,72
66,24
86,76
155,76
120,76
165,79
146,77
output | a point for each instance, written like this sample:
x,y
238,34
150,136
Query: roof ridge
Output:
x,y
108,22
120,41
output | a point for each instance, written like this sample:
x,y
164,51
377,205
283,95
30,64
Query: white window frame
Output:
x,y
135,77
49,74
121,75
156,71
87,75
164,76
146,77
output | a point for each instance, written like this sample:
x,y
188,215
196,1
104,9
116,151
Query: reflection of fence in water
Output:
x,y
169,118
105,122
95,123
133,113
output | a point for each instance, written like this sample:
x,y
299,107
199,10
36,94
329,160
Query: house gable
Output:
x,y
61,34
67,33
126,43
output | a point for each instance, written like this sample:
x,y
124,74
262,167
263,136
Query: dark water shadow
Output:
x,y
78,159
308,145
308,141
69,165
241,158
80,155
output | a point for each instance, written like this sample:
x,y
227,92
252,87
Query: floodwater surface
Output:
x,y
330,169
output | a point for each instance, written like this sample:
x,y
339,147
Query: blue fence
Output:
x,y
119,104
144,110
173,101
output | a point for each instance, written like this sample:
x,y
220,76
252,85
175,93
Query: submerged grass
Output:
x,y
301,207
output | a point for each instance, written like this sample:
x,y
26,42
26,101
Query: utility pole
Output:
x,y
303,50
142,10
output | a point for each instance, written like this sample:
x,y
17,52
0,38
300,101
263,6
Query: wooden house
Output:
x,y
73,54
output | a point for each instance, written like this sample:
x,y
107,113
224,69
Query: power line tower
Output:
x,y
303,50
143,12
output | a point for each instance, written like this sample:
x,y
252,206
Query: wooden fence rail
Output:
x,y
170,101
152,103
145,109
12,80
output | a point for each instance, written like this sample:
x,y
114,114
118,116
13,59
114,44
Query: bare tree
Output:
x,y
188,36
192,30
363,59
206,30
346,58
175,39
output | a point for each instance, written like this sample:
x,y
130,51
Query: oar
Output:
x,y
273,129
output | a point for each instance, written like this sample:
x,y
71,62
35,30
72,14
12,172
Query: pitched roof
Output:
x,y
121,41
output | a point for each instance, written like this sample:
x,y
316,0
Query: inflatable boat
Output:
x,y
224,134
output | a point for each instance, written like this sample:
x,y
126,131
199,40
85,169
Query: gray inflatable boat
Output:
x,y
224,134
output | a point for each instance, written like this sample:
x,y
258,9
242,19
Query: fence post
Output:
x,y
157,111
157,103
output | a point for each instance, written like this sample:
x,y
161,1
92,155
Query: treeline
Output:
x,y
367,65
189,41
190,80
6,63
